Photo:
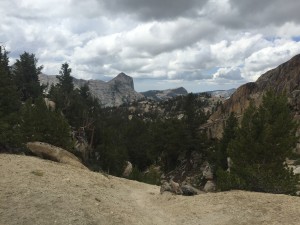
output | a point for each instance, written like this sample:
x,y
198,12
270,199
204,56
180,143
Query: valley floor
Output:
x,y
35,191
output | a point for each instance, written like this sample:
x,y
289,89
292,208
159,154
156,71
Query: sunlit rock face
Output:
x,y
283,79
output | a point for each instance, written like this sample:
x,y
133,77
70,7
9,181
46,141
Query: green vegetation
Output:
x,y
105,138
41,124
31,121
150,176
26,71
229,134
264,140
9,105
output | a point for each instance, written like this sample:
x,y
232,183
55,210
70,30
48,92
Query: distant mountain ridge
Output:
x,y
115,92
222,93
163,95
120,90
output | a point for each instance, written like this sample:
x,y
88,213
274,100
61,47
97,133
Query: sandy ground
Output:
x,y
35,191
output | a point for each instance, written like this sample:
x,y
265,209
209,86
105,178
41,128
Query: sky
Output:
x,y
201,45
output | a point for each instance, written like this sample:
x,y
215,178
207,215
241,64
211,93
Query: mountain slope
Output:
x,y
35,191
284,78
115,92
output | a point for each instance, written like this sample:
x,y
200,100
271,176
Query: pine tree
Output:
x,y
65,79
9,101
26,71
62,93
9,105
41,124
263,142
4,60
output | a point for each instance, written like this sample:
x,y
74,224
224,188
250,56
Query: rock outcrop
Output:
x,y
284,78
128,169
179,189
189,190
210,186
191,177
47,151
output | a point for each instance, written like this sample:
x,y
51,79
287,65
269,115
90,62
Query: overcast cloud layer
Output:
x,y
199,44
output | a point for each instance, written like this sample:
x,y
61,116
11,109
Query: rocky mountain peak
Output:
x,y
122,79
115,92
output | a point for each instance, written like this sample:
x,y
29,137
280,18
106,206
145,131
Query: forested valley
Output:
x,y
156,142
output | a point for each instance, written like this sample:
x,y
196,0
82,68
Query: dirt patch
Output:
x,y
35,191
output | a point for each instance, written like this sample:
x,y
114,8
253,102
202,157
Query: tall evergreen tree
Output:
x,y
26,71
63,92
4,60
263,142
65,79
9,105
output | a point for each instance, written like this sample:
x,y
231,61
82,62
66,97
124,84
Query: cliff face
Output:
x,y
284,78
116,92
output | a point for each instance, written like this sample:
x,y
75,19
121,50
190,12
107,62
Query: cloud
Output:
x,y
229,73
266,12
234,51
269,57
159,10
201,43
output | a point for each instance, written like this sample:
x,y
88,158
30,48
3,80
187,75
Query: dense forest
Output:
x,y
105,138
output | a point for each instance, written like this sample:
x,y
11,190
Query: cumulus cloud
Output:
x,y
269,57
203,44
155,9
265,12
232,73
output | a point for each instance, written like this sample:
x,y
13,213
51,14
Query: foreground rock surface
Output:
x,y
36,191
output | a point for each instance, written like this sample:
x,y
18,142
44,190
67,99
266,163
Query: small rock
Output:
x,y
209,186
207,173
165,187
188,190
128,169
175,187
296,170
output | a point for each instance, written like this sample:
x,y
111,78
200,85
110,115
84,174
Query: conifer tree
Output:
x,y
63,92
65,79
26,71
4,60
41,124
9,101
229,134
9,105
263,142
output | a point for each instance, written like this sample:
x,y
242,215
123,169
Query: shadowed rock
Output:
x,y
189,190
